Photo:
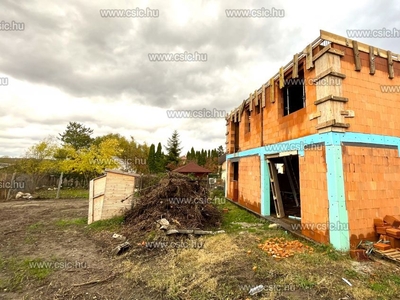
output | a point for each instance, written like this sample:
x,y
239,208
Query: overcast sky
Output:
x,y
71,64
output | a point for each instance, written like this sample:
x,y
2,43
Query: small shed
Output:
x,y
110,194
193,168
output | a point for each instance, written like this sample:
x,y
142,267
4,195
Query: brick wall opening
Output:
x,y
294,94
288,178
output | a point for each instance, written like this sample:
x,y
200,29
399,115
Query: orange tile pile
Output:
x,y
281,248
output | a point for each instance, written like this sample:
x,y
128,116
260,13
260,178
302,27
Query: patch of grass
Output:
x,y
379,287
236,214
21,270
71,222
110,224
351,274
65,193
29,240
330,252
305,283
35,272
394,278
36,227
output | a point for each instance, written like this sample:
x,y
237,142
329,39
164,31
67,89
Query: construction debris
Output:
x,y
119,237
191,231
121,248
176,202
23,195
281,248
388,230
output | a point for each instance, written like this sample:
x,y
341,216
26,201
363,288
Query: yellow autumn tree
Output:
x,y
92,161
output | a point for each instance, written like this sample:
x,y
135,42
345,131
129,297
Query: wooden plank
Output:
x,y
91,210
357,59
255,98
275,189
309,57
331,98
332,123
328,49
371,61
272,90
295,71
251,102
390,64
263,96
337,39
347,113
314,115
328,72
281,78
241,110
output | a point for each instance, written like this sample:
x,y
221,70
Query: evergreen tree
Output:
x,y
159,159
174,149
77,135
188,156
151,160
220,150
193,155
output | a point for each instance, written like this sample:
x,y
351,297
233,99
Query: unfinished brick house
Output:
x,y
320,142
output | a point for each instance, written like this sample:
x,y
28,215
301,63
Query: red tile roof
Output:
x,y
191,168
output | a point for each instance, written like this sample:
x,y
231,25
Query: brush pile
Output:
x,y
181,200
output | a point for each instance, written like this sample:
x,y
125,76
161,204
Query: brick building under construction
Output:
x,y
319,142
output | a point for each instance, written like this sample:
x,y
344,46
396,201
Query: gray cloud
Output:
x,y
68,47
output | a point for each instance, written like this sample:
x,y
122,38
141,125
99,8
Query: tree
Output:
x,y
39,161
220,150
152,159
160,159
133,156
76,135
173,150
93,161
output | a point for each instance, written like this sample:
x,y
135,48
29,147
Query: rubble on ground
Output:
x,y
23,195
388,230
282,248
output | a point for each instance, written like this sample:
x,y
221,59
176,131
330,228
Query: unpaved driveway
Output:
x,y
44,231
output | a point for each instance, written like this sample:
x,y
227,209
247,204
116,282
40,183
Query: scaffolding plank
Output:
x,y
309,57
276,192
390,65
263,96
272,90
281,78
371,60
357,59
295,71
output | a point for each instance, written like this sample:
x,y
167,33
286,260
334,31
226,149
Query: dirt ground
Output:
x,y
34,231
226,266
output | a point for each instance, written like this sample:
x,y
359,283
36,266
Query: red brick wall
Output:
x,y
314,195
249,183
279,128
375,112
372,188
276,126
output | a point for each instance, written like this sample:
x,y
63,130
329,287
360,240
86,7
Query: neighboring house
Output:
x,y
320,142
193,168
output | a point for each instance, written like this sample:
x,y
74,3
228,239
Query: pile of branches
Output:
x,y
182,200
